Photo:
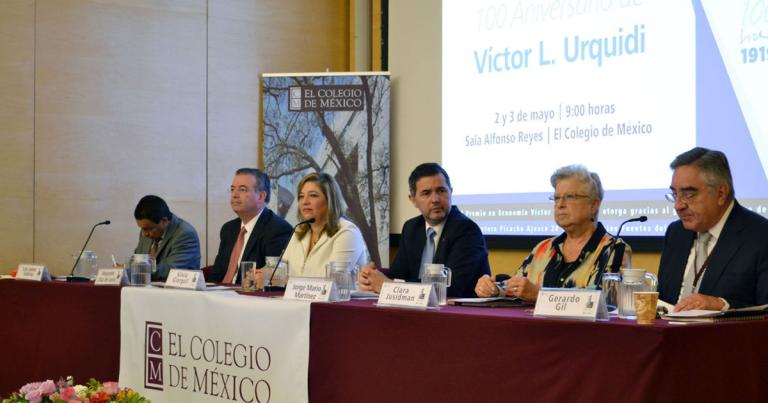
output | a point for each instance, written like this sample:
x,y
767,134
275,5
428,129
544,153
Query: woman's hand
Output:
x,y
522,288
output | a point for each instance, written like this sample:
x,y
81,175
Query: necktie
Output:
x,y
699,258
233,258
153,248
429,250
701,249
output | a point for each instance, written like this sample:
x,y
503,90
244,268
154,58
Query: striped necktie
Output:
x,y
690,285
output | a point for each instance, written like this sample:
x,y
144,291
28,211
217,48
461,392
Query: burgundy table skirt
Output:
x,y
363,353
51,330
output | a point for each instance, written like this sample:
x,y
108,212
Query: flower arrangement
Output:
x,y
66,392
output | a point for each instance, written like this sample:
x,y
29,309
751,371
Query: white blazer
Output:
x,y
346,245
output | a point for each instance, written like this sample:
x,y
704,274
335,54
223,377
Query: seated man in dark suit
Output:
x,y
172,241
255,234
457,242
716,256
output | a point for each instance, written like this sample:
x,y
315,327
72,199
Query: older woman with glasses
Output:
x,y
577,257
330,237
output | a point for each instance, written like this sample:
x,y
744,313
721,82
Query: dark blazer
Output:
x,y
179,248
270,236
461,248
738,267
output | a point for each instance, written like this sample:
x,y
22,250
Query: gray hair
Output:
x,y
712,163
581,174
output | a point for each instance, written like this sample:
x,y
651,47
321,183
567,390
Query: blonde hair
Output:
x,y
330,189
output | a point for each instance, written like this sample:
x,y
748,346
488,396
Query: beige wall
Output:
x,y
415,64
247,38
17,86
104,101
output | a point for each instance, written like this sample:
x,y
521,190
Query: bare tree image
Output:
x,y
338,124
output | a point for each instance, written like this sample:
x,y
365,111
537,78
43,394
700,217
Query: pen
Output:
x,y
114,262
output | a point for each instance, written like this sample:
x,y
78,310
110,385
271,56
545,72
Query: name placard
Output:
x,y
570,303
34,272
185,279
310,289
409,295
114,277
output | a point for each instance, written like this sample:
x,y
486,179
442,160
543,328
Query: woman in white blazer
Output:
x,y
330,238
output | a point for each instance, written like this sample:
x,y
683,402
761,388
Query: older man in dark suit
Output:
x,y
256,233
716,256
441,234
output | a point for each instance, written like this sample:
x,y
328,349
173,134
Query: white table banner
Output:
x,y
184,346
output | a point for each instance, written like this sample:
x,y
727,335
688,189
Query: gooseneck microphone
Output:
x,y
72,277
269,286
612,246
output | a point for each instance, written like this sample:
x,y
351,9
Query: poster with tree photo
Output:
x,y
337,124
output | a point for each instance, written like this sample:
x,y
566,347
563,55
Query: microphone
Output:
x,y
269,286
612,246
77,279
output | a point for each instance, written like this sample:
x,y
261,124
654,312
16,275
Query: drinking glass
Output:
x,y
280,277
141,267
610,289
250,276
344,276
87,266
440,277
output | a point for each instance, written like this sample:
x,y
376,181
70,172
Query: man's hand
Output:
x,y
699,301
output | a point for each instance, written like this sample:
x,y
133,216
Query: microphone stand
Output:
x,y
80,279
269,286
612,246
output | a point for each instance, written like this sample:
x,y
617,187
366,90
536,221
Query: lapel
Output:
x,y
441,249
678,261
416,242
725,249
161,249
320,241
258,231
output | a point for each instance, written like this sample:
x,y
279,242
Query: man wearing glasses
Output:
x,y
255,234
716,256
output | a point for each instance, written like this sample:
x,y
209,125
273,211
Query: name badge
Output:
x,y
310,289
570,303
34,272
408,295
111,277
185,279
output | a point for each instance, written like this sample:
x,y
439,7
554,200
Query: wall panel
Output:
x,y
415,63
104,101
17,61
120,112
246,39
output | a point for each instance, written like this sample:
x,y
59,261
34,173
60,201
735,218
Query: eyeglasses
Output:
x,y
685,196
567,198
